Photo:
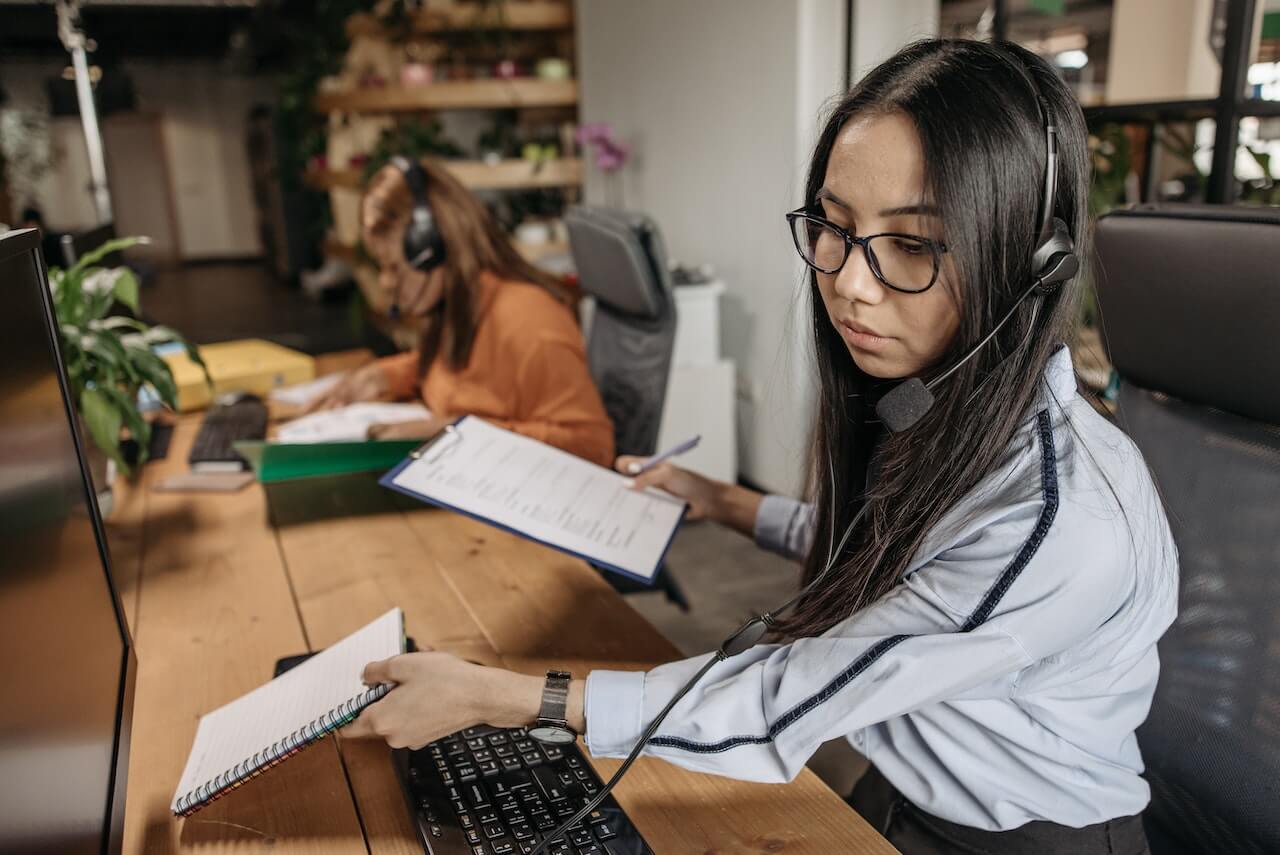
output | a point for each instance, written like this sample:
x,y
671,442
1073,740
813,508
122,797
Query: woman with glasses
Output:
x,y
987,565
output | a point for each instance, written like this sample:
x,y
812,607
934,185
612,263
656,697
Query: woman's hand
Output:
x,y
422,429
702,494
364,384
437,694
727,504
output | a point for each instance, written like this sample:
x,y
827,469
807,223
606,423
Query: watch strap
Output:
x,y
555,697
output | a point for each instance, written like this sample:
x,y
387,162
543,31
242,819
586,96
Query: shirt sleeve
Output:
x,y
785,526
761,715
401,372
559,403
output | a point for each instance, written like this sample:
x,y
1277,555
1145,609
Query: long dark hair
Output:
x,y
474,243
974,106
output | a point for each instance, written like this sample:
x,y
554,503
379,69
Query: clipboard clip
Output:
x,y
442,443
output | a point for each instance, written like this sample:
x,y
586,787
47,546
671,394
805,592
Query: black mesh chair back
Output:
x,y
622,263
1190,302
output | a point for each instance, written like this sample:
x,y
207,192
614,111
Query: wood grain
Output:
x,y
214,611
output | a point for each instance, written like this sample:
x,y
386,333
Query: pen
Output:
x,y
676,450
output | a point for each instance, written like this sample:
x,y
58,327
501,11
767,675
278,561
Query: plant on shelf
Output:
x,y
414,138
109,358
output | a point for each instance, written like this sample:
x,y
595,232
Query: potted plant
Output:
x,y
109,358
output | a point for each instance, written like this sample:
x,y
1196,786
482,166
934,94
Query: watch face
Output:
x,y
552,734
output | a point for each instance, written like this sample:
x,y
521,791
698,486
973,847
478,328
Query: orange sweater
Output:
x,y
527,373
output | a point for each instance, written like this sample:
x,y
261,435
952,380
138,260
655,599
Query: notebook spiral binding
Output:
x,y
277,752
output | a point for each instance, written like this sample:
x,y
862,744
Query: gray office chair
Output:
x,y
622,263
1190,301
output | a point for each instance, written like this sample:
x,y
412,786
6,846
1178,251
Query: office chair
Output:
x,y
622,264
1190,303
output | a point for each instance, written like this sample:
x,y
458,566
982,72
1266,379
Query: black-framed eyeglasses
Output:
x,y
903,262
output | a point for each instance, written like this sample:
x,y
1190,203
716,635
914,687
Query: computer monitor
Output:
x,y
67,659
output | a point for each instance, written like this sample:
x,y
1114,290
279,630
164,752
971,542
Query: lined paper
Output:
x,y
272,713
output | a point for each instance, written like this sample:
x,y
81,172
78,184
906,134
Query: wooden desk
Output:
x,y
214,595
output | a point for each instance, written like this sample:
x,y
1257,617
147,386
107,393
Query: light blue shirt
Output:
x,y
1000,682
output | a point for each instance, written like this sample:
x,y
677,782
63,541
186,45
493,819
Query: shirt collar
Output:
x,y
1059,378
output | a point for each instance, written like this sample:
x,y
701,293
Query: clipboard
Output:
x,y
449,442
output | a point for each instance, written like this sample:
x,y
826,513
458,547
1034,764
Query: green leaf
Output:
x,y
118,322
154,371
93,256
126,288
138,427
104,422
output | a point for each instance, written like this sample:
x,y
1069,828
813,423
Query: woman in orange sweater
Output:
x,y
499,339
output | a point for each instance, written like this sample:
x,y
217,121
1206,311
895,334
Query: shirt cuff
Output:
x,y
614,710
775,524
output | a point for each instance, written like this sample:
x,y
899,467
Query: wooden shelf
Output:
x,y
526,15
512,174
452,95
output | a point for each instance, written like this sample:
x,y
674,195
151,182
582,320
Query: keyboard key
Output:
x,y
489,768
456,749
518,732
489,817
580,837
566,778
465,820
447,778
511,764
544,821
582,774
573,762
436,830
565,809
507,801
467,774
525,745
459,806
476,743
604,830
498,739
550,784
532,758
494,830
553,753
436,750
521,830
503,847
482,756
478,730
477,795
504,751
478,849
473,837
596,815
590,787
592,849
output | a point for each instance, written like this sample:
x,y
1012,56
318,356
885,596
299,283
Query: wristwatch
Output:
x,y
552,727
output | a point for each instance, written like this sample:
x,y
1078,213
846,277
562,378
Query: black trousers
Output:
x,y
915,832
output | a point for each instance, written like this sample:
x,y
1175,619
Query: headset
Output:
x,y
423,243
1054,262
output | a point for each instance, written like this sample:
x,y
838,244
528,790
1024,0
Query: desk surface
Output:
x,y
214,595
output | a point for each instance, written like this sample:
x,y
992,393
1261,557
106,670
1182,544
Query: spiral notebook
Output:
x,y
251,734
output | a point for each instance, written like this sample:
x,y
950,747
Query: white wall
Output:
x,y
205,111
880,29
720,99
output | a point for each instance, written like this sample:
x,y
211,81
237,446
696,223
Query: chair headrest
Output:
x,y
621,260
1190,303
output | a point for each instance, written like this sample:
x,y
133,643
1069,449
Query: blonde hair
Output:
x,y
474,244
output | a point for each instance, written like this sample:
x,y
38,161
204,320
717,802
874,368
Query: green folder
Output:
x,y
279,461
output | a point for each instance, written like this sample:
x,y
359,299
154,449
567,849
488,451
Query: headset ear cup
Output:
x,y
1055,260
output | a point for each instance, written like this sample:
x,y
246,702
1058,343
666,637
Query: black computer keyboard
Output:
x,y
488,791
231,419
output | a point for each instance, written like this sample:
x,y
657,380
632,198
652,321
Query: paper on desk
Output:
x,y
347,424
301,394
545,494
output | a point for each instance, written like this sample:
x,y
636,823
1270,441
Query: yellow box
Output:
x,y
250,365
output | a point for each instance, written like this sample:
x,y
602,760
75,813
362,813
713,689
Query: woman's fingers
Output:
x,y
378,672
626,464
